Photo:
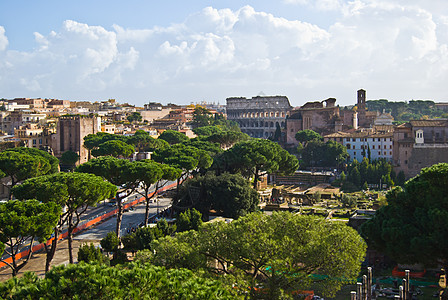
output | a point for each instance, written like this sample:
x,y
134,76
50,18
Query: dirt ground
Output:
x,y
37,262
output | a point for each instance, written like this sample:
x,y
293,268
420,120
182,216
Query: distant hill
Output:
x,y
403,111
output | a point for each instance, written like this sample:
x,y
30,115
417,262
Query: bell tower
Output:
x,y
361,108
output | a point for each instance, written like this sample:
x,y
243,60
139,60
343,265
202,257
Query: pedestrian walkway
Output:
x,y
37,263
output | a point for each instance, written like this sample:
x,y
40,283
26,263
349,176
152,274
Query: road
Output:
x,y
130,219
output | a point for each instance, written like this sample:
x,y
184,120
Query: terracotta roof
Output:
x,y
429,123
383,127
407,125
359,134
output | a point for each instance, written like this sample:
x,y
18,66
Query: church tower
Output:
x,y
361,108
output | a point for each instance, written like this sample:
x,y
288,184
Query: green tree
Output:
x,y
277,133
184,157
110,242
119,172
283,252
23,222
355,177
212,148
191,219
53,161
142,238
143,142
401,178
257,157
135,116
227,139
230,195
93,141
131,281
152,174
365,186
349,201
316,153
173,137
69,158
88,253
207,131
74,192
307,135
412,227
202,117
115,148
19,166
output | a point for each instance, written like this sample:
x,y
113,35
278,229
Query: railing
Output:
x,y
84,225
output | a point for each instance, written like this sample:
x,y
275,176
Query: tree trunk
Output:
x,y
51,250
147,201
70,238
147,212
10,189
119,215
14,263
256,178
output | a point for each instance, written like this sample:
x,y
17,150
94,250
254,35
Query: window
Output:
x,y
354,153
353,139
379,153
348,146
373,147
34,142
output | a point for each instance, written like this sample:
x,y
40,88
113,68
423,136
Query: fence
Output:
x,y
85,224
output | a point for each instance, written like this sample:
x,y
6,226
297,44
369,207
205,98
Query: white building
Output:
x,y
359,143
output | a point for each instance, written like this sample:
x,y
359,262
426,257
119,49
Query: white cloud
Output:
x,y
3,39
391,48
325,5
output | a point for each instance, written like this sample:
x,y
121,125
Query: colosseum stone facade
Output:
x,y
259,116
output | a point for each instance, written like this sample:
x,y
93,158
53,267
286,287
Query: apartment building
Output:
x,y
360,142
419,144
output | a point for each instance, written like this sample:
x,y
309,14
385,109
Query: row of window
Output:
x,y
379,153
349,146
365,139
260,124
362,139
277,114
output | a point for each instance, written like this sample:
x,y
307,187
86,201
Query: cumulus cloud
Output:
x,y
326,5
3,39
391,48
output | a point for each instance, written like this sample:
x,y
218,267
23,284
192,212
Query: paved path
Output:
x,y
130,219
92,235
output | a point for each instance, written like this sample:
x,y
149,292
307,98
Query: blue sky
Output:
x,y
191,51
